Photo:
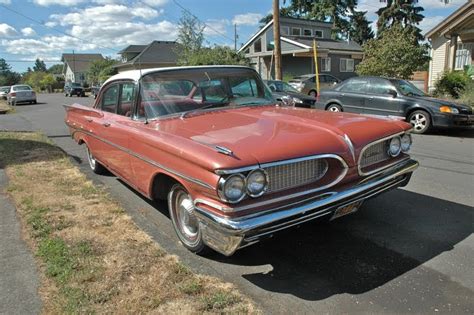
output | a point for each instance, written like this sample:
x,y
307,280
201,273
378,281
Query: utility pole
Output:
x,y
235,37
276,36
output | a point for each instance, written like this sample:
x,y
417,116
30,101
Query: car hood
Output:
x,y
440,102
272,133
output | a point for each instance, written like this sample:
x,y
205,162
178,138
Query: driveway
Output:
x,y
408,251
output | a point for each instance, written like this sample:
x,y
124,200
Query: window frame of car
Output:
x,y
351,81
99,104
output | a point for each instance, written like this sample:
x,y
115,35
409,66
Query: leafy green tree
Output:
x,y
190,37
360,30
56,69
100,70
400,12
217,55
395,54
39,80
39,66
7,76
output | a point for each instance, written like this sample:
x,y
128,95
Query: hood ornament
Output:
x,y
224,150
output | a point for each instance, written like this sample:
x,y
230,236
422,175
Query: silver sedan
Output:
x,y
21,94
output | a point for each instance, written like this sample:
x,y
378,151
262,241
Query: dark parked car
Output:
x,y
71,89
306,84
395,97
283,93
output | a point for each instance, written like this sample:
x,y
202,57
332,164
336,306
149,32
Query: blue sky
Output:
x,y
50,27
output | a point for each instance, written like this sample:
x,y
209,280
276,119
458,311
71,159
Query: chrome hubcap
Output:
x,y
418,121
185,218
90,158
333,109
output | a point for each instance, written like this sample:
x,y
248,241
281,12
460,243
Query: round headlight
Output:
x,y
395,146
256,183
232,188
406,142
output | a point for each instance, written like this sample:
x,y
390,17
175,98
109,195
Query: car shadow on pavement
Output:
x,y
455,133
388,237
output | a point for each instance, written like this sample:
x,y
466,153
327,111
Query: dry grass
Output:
x,y
4,108
92,256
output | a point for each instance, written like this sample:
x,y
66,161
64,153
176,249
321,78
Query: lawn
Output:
x,y
91,256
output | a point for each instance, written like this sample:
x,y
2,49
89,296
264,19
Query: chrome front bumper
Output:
x,y
226,235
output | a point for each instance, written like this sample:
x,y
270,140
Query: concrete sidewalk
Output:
x,y
19,280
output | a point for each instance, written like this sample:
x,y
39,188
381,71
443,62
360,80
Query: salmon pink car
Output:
x,y
234,166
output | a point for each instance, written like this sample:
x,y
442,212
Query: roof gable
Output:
x,y
80,62
462,13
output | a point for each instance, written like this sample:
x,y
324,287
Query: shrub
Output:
x,y
467,96
452,83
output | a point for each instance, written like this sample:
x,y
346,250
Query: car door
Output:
x,y
352,94
381,99
114,128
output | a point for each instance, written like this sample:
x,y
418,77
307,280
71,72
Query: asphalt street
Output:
x,y
410,250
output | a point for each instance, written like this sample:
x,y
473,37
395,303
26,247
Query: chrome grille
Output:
x,y
295,174
374,154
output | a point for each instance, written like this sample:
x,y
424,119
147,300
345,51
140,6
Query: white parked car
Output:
x,y
21,93
4,91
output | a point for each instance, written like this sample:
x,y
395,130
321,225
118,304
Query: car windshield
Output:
x,y
75,85
184,91
21,88
407,88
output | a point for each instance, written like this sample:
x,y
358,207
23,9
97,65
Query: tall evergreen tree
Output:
x,y
400,12
7,76
360,30
39,66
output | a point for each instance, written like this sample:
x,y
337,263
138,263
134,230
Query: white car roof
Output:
x,y
135,75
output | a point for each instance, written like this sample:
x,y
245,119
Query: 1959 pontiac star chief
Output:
x,y
234,166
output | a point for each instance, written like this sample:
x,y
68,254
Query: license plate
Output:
x,y
348,209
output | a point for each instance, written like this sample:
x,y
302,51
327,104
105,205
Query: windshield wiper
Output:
x,y
213,105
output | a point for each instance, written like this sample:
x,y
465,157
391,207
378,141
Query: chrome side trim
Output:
x,y
147,160
361,154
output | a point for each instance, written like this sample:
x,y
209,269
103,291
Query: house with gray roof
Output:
x,y
76,66
156,54
335,57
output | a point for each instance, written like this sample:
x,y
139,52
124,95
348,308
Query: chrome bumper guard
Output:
x,y
226,235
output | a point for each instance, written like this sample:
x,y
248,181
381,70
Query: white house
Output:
x,y
452,43
76,66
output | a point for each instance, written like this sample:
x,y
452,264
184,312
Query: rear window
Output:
x,y
21,88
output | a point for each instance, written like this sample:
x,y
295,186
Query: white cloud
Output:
x,y
250,19
5,2
28,31
46,3
215,27
155,3
7,30
50,24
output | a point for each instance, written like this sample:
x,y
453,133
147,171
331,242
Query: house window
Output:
x,y
318,34
347,65
285,30
325,64
463,56
307,32
296,31
257,46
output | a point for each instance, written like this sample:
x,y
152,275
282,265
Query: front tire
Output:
x,y
420,120
95,166
334,108
185,222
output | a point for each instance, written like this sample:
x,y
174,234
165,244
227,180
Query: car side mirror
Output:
x,y
393,93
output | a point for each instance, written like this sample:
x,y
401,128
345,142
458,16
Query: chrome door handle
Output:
x,y
106,124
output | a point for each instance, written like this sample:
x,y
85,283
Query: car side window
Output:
x,y
127,97
110,98
355,86
380,86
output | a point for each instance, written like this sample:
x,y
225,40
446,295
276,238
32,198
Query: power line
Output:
x,y
55,29
207,25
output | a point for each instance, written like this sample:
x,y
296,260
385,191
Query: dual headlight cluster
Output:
x,y
399,144
235,187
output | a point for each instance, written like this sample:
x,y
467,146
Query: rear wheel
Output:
x,y
420,120
95,166
185,222
334,108
313,93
